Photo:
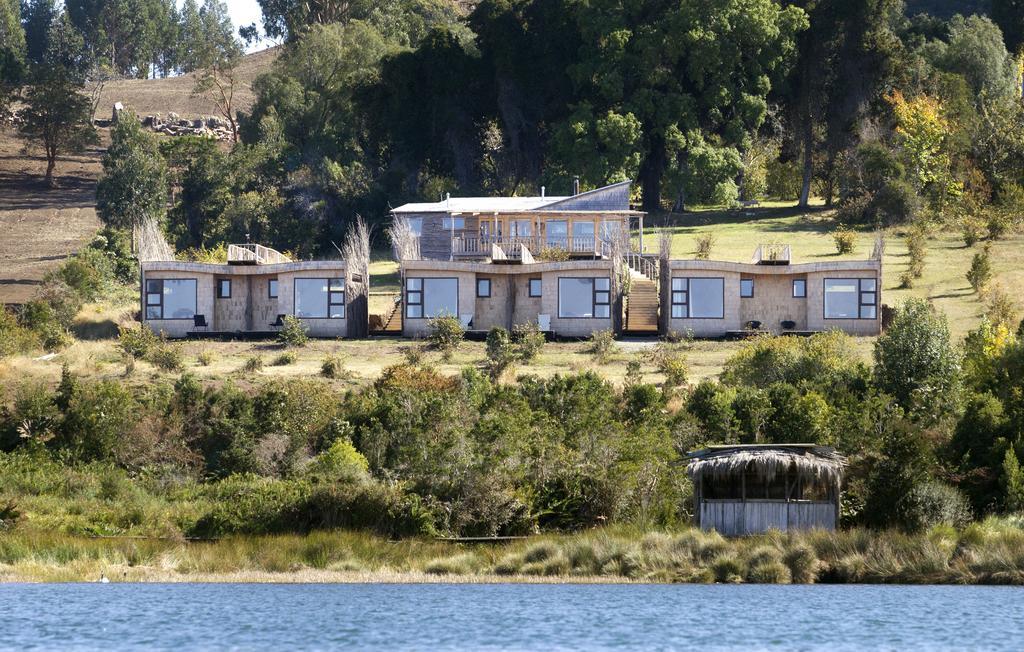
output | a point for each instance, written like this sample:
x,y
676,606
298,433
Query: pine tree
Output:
x,y
1013,481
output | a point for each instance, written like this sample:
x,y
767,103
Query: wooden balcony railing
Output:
x,y
255,254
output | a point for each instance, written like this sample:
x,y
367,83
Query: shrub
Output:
x,y
915,359
980,273
601,345
64,303
205,358
845,240
253,364
971,230
340,462
333,366
1001,309
285,359
293,332
553,254
895,203
916,243
932,503
769,572
906,280
15,338
462,564
166,357
446,334
997,223
136,341
705,242
671,363
529,341
501,354
413,354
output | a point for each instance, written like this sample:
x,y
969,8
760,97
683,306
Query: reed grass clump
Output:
x,y
462,564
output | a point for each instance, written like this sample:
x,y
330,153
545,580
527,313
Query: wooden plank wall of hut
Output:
x,y
737,518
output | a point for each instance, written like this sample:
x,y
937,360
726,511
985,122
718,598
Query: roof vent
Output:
x,y
542,191
576,185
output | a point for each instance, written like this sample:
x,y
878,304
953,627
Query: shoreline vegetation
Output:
x,y
986,552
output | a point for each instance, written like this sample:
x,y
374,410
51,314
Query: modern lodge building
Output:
x,y
571,265
251,294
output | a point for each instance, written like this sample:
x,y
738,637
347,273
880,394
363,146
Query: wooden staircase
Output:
x,y
641,305
392,322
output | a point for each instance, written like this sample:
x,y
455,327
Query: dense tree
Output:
x,y
915,361
977,52
694,74
12,51
57,116
133,188
37,17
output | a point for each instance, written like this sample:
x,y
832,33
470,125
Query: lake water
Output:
x,y
504,616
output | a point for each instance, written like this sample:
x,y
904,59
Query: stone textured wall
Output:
x,y
773,302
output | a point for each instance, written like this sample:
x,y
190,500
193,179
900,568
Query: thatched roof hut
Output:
x,y
743,489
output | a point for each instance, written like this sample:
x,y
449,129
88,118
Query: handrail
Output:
x,y
255,253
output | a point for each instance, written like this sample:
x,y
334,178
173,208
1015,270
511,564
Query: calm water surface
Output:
x,y
536,617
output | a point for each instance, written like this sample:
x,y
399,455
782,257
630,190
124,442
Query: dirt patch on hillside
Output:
x,y
40,226
174,94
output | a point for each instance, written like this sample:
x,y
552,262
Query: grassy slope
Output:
x,y
174,94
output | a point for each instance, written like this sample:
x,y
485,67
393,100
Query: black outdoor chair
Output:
x,y
753,325
199,321
787,325
279,322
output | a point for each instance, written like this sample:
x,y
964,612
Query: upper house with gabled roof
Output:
x,y
516,228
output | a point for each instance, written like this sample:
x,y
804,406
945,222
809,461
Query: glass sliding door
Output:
x,y
556,233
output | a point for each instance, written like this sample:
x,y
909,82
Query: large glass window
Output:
x,y
320,298
698,298
521,228
582,236
171,298
431,297
842,298
557,232
415,225
584,298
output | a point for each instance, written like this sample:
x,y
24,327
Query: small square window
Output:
x,y
868,312
483,287
415,311
153,286
746,287
337,284
272,288
414,284
602,297
799,288
679,284
678,297
153,312
535,287
867,285
602,284
224,288
678,312
867,298
602,311
152,299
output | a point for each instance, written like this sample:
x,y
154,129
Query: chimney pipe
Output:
x,y
576,185
542,191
